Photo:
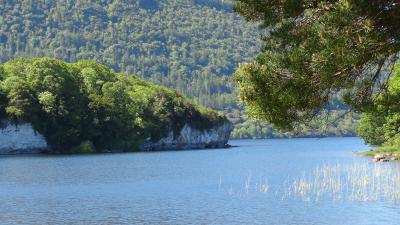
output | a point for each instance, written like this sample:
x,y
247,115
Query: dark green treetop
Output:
x,y
314,50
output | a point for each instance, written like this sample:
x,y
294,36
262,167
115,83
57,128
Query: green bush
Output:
x,y
381,124
85,147
371,128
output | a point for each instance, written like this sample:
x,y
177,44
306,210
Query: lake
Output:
x,y
259,182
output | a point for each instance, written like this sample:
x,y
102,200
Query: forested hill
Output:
x,y
192,46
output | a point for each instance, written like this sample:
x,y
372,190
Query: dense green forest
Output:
x,y
192,46
86,107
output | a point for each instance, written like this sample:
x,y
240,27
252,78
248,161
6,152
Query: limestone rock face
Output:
x,y
21,139
385,157
191,138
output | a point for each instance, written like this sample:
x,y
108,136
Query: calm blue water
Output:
x,y
187,187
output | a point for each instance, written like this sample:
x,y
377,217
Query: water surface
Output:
x,y
242,185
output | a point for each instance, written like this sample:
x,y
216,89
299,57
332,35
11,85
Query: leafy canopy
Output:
x,y
85,106
314,50
190,46
380,124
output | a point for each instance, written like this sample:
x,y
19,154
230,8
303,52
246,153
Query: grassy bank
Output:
x,y
384,153
382,150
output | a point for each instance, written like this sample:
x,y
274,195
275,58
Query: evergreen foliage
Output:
x,y
315,50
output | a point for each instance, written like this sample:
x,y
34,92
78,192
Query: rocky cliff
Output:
x,y
23,139
191,138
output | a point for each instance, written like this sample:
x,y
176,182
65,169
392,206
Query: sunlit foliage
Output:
x,y
86,106
314,50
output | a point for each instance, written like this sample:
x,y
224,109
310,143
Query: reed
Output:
x,y
356,182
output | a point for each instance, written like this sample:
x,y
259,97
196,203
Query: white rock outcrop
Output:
x,y
21,139
191,138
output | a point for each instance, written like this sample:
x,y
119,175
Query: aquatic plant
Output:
x,y
356,182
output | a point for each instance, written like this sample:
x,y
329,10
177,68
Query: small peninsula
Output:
x,y
51,106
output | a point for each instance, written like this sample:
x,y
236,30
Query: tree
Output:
x,y
3,95
314,50
191,46
380,124
86,107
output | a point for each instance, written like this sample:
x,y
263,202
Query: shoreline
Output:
x,y
47,153
378,155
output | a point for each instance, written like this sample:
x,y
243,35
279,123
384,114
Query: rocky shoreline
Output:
x,y
23,139
191,138
385,157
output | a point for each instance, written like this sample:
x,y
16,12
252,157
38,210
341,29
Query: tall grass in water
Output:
x,y
249,186
356,182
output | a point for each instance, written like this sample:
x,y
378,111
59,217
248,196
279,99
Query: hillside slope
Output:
x,y
192,46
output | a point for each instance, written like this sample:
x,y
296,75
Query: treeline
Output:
x,y
338,123
192,46
86,107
